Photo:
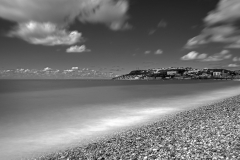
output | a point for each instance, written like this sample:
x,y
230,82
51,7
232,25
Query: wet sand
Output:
x,y
208,132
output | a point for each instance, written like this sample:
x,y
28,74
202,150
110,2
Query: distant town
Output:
x,y
179,73
149,74
49,73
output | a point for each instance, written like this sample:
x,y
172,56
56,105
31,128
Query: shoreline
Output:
x,y
204,132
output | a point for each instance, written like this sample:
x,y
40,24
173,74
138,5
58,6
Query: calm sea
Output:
x,y
38,116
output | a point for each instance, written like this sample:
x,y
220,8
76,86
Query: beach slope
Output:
x,y
207,132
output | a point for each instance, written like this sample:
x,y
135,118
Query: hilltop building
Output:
x,y
179,73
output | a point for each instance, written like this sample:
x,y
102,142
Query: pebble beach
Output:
x,y
207,132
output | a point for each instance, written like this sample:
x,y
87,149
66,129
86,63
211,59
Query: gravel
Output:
x,y
208,132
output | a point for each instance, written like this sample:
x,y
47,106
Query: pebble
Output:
x,y
208,132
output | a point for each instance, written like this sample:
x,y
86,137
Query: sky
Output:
x,y
119,35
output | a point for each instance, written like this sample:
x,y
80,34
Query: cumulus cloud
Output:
x,y
233,65
47,69
119,26
236,59
77,49
74,68
110,12
221,26
40,11
61,13
152,31
147,52
193,55
45,34
235,45
162,24
225,54
159,51
218,56
227,11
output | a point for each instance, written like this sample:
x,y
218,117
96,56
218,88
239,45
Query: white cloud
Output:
x,y
64,12
45,34
233,65
60,14
218,56
205,58
147,52
193,55
79,49
220,34
74,68
227,11
47,69
224,52
234,45
159,51
236,59
202,56
107,11
195,42
152,31
190,56
162,24
221,26
120,26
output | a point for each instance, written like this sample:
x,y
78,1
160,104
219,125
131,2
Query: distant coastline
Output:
x,y
180,73
49,73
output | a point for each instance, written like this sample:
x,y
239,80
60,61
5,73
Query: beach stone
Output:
x,y
208,132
